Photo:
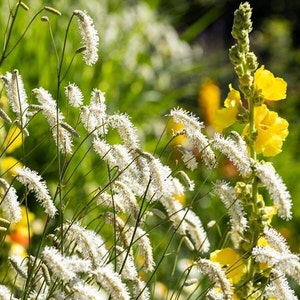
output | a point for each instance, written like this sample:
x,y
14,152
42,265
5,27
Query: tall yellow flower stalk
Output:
x,y
249,264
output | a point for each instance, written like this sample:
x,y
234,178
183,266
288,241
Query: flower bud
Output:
x,y
251,61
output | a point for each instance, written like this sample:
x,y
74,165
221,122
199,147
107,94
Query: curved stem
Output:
x,y
5,52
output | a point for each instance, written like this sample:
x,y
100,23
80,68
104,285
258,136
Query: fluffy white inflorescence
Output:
x,y
276,188
126,130
196,232
112,283
217,276
193,127
276,240
9,202
87,242
141,238
5,293
33,181
234,152
55,118
235,210
278,288
82,290
16,95
125,264
89,35
74,95
64,268
93,116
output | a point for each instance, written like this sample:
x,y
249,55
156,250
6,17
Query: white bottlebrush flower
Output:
x,y
82,290
279,288
235,210
33,181
126,130
16,95
64,268
276,240
57,265
127,198
234,152
19,265
176,213
89,35
187,181
125,264
123,158
188,158
5,293
286,261
140,290
217,276
141,239
239,141
9,202
5,116
196,232
74,95
162,184
276,188
215,294
104,150
55,118
113,201
87,242
97,103
93,116
266,255
111,282
190,122
192,127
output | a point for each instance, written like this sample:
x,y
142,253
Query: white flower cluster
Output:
x,y
282,263
276,188
234,208
89,35
17,96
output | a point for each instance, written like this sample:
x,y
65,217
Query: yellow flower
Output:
x,y
271,88
209,100
10,164
180,198
230,259
13,140
225,117
176,130
271,131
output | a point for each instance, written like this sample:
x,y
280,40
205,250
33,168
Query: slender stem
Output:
x,y
6,42
5,52
251,128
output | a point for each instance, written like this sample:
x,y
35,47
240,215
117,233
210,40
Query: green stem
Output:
x,y
251,129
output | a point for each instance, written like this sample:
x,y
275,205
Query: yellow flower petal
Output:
x,y
10,164
230,259
271,131
180,198
13,139
272,88
225,117
209,100
173,129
